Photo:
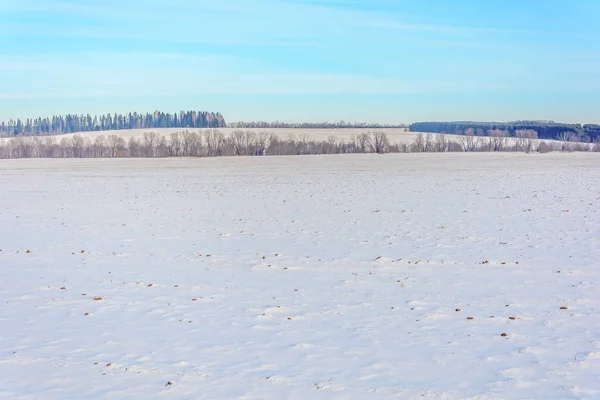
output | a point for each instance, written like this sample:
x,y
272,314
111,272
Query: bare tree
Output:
x,y
303,144
134,148
23,147
175,145
468,140
149,140
276,146
190,142
162,147
116,146
77,144
572,142
38,146
238,139
261,142
419,143
543,147
50,147
428,145
100,146
248,142
498,139
482,143
454,146
566,136
215,142
331,145
66,146
380,142
363,142
525,139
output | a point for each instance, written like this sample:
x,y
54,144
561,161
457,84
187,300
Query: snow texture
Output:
x,y
430,276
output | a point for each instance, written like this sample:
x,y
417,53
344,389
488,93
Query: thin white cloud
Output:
x,y
267,22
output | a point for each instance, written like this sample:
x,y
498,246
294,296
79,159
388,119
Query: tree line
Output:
x,y
72,123
213,143
311,125
548,130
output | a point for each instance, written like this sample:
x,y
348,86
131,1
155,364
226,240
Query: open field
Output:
x,y
430,276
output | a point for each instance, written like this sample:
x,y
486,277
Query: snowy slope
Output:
x,y
329,277
396,135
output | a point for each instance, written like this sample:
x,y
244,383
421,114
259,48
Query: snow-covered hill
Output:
x,y
394,134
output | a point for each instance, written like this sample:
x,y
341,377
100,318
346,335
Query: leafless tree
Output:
x,y
419,143
149,143
468,140
66,146
483,143
161,149
454,146
380,142
116,146
134,148
215,142
543,147
498,139
567,136
261,142
574,143
175,145
38,146
331,145
404,147
100,146
23,147
190,144
276,145
525,139
428,145
363,142
50,147
249,143
238,139
82,146
303,144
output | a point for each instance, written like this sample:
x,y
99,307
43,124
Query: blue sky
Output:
x,y
304,60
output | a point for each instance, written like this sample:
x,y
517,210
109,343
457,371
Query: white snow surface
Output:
x,y
310,277
396,135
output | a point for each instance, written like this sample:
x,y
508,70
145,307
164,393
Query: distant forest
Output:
x,y
71,123
311,125
545,129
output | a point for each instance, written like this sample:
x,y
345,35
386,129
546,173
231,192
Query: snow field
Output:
x,y
435,276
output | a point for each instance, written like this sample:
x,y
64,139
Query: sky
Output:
x,y
386,61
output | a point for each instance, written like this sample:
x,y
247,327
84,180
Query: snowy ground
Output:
x,y
396,135
435,276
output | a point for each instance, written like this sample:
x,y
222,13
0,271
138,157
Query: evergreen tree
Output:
x,y
72,123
